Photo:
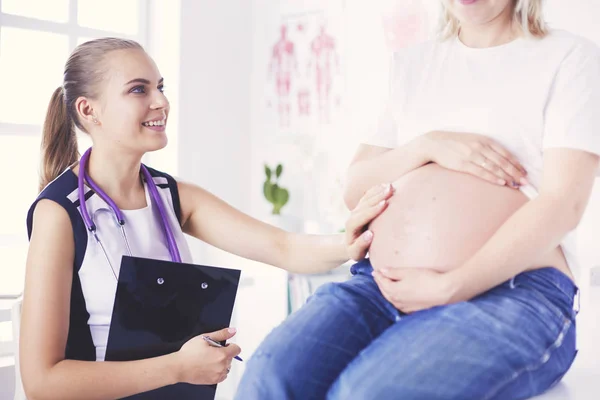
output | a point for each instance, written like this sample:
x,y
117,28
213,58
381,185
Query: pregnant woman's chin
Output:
x,y
439,218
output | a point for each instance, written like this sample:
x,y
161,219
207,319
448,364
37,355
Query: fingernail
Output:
x,y
501,182
231,330
367,236
524,181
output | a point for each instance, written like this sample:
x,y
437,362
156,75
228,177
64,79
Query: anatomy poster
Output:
x,y
305,71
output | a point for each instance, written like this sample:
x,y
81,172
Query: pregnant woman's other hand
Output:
x,y
373,203
475,154
415,289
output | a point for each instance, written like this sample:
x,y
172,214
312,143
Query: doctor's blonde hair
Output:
x,y
82,75
527,14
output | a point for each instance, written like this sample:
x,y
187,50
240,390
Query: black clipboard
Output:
x,y
159,305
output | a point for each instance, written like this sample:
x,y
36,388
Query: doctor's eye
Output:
x,y
138,89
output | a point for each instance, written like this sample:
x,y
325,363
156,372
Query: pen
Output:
x,y
217,344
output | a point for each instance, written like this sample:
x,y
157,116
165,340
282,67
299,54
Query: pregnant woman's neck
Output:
x,y
494,33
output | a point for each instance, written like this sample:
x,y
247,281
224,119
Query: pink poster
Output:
x,y
405,22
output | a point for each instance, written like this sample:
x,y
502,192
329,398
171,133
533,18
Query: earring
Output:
x,y
94,119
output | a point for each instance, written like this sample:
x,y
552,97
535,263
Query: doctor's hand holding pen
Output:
x,y
200,363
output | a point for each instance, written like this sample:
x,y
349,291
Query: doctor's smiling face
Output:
x,y
130,109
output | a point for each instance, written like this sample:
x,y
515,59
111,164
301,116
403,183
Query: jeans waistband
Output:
x,y
548,275
551,276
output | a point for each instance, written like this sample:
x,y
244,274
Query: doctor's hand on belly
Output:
x,y
372,204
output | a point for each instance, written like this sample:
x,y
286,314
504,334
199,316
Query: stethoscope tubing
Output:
x,y
119,217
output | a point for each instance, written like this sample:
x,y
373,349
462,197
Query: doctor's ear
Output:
x,y
86,112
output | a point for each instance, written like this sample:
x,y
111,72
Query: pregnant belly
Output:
x,y
439,218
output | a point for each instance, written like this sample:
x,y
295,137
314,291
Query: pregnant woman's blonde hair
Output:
x,y
526,13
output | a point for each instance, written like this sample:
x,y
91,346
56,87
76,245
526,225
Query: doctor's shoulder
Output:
x,y
50,220
61,192
52,214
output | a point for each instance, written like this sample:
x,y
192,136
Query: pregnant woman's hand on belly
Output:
x,y
414,289
475,154
373,203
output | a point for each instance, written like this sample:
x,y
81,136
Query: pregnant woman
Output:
x,y
491,143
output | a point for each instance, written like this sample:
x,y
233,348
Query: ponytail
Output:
x,y
59,140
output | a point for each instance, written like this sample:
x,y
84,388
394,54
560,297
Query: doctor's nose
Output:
x,y
159,101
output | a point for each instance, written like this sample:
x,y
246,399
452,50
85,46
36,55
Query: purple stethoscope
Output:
x,y
120,219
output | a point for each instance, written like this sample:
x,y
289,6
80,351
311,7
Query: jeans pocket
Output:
x,y
546,305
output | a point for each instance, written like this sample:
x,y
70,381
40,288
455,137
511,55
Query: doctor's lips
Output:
x,y
156,124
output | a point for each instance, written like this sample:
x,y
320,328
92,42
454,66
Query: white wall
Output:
x,y
7,378
215,96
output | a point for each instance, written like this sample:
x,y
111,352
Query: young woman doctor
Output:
x,y
113,91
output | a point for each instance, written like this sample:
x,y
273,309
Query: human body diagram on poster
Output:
x,y
304,71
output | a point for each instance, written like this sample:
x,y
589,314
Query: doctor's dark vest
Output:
x,y
63,190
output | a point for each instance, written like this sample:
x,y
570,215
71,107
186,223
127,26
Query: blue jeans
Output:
x,y
348,342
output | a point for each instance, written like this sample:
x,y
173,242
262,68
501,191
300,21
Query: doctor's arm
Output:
x,y
46,374
215,222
